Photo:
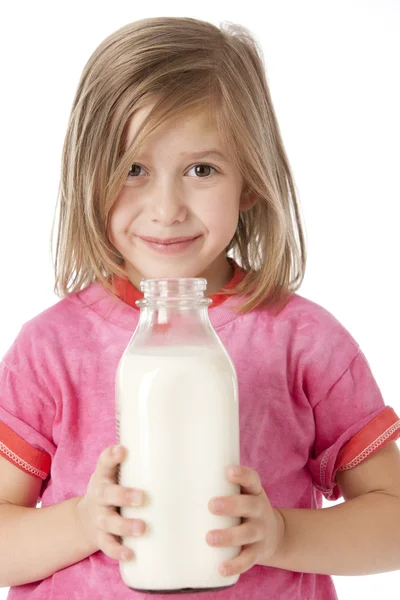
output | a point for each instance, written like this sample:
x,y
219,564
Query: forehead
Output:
x,y
201,125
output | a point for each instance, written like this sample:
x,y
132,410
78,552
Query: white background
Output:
x,y
333,70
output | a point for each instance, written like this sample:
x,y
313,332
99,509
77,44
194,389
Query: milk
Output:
x,y
178,417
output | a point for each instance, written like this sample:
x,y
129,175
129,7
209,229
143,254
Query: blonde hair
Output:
x,y
190,66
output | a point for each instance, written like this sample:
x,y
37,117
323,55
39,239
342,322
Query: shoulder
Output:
x,y
321,347
299,314
48,331
304,318
302,326
60,315
310,317
311,336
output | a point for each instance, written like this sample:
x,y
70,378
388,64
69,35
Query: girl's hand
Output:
x,y
97,508
261,532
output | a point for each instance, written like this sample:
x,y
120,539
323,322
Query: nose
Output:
x,y
166,205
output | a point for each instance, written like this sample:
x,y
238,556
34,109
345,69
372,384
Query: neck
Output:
x,y
218,275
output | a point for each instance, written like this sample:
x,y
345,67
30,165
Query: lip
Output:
x,y
174,245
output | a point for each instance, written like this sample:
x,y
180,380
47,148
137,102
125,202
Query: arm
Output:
x,y
61,535
358,537
35,542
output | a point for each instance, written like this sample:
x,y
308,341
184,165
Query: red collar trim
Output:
x,y
127,292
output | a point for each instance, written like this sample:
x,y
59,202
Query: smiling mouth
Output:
x,y
174,245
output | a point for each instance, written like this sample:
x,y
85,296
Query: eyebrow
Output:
x,y
204,154
201,154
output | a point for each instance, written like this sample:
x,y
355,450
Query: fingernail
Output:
x,y
217,505
136,497
216,538
136,528
116,449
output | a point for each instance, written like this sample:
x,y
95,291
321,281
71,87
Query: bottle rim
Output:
x,y
177,291
183,287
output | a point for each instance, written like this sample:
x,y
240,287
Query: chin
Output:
x,y
168,271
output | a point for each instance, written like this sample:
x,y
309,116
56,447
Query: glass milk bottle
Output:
x,y
178,416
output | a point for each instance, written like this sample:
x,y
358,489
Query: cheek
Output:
x,y
223,216
122,214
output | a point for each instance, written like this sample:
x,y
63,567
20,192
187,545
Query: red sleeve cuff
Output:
x,y
382,430
24,456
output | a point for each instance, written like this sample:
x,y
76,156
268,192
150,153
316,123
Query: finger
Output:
x,y
107,464
112,494
248,479
241,563
246,533
239,505
112,547
112,522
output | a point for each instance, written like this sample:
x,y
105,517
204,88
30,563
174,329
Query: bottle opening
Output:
x,y
183,292
190,288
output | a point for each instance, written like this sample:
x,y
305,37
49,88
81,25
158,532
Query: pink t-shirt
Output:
x,y
308,404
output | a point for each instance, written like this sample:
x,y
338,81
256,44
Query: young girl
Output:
x,y
173,159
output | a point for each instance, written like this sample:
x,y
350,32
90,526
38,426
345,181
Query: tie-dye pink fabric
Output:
x,y
305,387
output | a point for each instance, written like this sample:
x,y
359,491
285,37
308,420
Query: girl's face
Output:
x,y
174,217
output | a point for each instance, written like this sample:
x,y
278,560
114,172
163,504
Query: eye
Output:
x,y
133,168
200,167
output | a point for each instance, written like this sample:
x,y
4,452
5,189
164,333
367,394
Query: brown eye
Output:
x,y
203,170
132,172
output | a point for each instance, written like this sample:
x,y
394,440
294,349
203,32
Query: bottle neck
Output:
x,y
180,292
174,312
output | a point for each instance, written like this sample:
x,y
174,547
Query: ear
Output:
x,y
247,200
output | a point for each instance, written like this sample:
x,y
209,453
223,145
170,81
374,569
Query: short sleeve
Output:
x,y
26,410
351,423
